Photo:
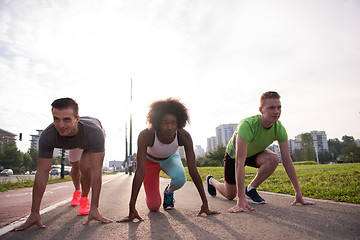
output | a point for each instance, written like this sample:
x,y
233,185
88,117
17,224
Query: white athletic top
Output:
x,y
161,150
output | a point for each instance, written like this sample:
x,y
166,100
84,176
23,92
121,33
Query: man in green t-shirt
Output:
x,y
248,147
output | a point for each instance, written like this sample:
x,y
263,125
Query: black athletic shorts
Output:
x,y
229,167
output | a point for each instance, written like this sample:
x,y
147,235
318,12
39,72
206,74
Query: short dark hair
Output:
x,y
160,108
63,103
268,95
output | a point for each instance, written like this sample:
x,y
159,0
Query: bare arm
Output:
x,y
190,158
290,171
143,142
241,151
96,163
41,178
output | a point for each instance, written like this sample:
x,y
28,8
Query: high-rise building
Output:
x,y
6,137
199,151
211,144
224,132
34,142
320,141
294,144
275,148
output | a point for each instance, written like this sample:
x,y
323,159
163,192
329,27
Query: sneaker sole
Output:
x,y
169,208
83,214
209,186
263,202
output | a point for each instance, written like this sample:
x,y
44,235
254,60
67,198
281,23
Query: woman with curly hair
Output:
x,y
157,146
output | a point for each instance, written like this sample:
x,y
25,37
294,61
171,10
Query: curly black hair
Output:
x,y
168,106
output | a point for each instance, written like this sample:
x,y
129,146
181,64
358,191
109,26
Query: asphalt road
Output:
x,y
275,220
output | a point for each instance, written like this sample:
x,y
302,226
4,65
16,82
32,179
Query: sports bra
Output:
x,y
162,150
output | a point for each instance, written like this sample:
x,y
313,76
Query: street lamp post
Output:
x,y
130,150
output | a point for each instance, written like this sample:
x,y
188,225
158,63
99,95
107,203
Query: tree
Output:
x,y
212,159
56,160
200,162
307,146
184,162
351,148
27,161
344,148
324,157
11,157
335,147
216,157
298,155
33,154
348,140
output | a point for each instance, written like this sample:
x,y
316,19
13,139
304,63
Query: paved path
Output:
x,y
275,220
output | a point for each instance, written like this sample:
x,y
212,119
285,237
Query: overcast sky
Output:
x,y
217,57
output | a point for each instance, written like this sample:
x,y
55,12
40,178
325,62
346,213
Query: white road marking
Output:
x,y
17,223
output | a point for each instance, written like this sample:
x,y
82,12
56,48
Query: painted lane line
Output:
x,y
17,223
60,187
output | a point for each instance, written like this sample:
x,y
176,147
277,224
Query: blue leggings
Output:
x,y
173,167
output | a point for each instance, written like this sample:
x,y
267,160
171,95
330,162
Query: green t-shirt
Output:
x,y
256,136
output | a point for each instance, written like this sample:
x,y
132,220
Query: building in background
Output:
x,y
294,144
320,141
6,137
199,151
34,143
223,134
275,148
211,144
115,166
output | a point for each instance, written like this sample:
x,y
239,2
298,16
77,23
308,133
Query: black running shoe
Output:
x,y
168,200
211,189
254,196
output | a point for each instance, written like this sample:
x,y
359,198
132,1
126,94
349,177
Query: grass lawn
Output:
x,y
337,182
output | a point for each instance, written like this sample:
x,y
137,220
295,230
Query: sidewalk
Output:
x,y
275,220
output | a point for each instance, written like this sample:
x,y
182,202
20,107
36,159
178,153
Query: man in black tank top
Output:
x,y
69,132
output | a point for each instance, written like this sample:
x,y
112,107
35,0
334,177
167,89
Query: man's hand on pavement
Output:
x,y
96,215
241,205
33,219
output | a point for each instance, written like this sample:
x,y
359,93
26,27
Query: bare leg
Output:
x,y
85,170
267,161
75,174
227,190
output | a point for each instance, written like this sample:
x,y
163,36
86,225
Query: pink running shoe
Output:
x,y
84,206
76,198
